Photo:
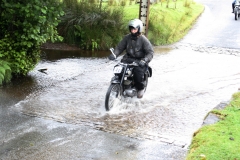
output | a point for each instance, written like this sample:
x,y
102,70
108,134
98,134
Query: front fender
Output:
x,y
115,80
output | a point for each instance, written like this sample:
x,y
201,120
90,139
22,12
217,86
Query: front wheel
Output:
x,y
113,95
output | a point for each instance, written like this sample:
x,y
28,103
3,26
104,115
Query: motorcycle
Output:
x,y
122,83
237,10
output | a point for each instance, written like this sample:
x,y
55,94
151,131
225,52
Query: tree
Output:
x,y
24,26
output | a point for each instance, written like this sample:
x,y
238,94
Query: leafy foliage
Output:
x,y
24,27
91,27
5,72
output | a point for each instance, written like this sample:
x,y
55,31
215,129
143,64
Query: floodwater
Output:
x,y
186,84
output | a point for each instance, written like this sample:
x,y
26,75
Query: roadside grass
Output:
x,y
167,24
89,27
219,141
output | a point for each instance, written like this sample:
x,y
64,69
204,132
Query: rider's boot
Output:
x,y
140,93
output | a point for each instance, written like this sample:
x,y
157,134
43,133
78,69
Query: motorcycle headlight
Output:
x,y
128,73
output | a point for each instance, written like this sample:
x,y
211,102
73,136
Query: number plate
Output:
x,y
118,69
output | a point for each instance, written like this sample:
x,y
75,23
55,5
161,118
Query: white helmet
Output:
x,y
137,24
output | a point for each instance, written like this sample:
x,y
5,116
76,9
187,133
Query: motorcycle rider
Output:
x,y
138,49
233,5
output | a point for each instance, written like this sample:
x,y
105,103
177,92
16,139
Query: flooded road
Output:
x,y
186,84
61,114
184,87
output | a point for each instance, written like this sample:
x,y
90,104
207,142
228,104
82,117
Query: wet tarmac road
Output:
x,y
60,115
216,27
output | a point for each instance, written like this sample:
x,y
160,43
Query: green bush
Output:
x,y
91,27
24,27
5,72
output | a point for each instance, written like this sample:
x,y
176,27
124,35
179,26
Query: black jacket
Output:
x,y
139,49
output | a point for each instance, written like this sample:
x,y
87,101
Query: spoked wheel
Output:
x,y
113,96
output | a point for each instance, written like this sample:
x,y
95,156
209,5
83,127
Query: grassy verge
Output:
x,y
169,22
91,27
220,141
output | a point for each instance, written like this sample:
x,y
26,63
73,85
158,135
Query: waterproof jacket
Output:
x,y
138,49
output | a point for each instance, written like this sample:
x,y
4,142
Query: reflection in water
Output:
x,y
21,85
18,89
53,55
162,49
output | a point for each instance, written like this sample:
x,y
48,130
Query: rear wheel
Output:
x,y
146,82
236,15
113,95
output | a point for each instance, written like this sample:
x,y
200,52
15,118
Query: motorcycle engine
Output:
x,y
127,82
131,92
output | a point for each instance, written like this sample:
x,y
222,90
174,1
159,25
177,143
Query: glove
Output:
x,y
111,57
142,63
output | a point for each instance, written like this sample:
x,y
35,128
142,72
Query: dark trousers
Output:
x,y
233,4
138,77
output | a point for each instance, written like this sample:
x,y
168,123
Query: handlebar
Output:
x,y
131,64
112,51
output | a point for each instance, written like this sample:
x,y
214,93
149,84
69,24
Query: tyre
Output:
x,y
236,15
113,95
145,82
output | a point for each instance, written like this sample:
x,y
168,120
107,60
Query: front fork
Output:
x,y
116,80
